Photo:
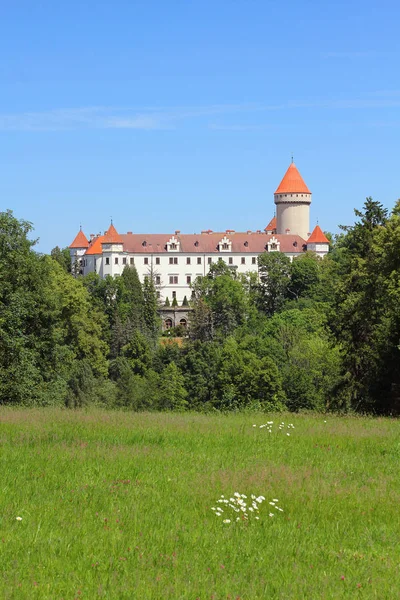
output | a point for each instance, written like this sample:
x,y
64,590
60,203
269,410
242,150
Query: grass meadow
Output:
x,y
119,505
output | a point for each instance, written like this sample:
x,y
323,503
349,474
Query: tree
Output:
x,y
304,275
173,395
131,298
150,314
220,303
274,275
63,257
361,306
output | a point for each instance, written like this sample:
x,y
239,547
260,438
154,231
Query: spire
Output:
x,y
112,236
80,240
292,182
317,236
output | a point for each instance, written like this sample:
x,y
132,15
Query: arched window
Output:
x,y
167,323
183,322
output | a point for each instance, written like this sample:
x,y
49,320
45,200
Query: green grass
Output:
x,y
118,505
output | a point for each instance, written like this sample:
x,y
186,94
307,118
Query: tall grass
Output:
x,y
118,505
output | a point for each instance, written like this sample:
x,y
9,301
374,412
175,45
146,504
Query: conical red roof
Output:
x,y
112,236
292,182
317,236
271,225
80,241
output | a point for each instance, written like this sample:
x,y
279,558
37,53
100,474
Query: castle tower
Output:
x,y
112,248
293,199
76,250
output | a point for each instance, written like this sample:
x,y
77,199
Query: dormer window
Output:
x,y
225,245
273,245
196,243
173,244
246,244
144,244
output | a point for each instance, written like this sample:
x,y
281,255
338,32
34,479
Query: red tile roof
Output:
x,y
95,245
271,225
202,243
317,236
112,236
292,182
80,241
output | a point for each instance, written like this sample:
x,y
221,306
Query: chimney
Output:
x,y
177,231
129,232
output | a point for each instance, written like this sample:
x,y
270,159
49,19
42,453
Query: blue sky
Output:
x,y
183,114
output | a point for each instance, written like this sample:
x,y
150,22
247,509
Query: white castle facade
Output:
x,y
175,260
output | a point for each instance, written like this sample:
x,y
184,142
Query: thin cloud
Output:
x,y
147,118
161,118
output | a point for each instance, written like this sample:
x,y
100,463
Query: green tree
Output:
x,y
63,257
150,315
274,276
173,395
304,275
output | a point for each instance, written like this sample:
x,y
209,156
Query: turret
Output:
x,y
318,242
112,248
293,199
76,250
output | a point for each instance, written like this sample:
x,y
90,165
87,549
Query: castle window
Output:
x,y
173,246
188,260
209,260
253,260
199,260
107,261
157,260
188,279
116,260
243,261
131,261
230,260
183,323
225,246
146,261
173,295
158,280
124,261
167,323
173,279
173,260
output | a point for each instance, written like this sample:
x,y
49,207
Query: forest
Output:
x,y
312,334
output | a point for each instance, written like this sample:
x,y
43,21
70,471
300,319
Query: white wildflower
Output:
x,y
18,518
226,521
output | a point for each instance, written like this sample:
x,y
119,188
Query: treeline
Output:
x,y
311,334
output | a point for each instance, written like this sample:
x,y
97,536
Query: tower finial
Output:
x,y
80,227
111,220
292,157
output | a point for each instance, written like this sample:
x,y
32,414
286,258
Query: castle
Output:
x,y
175,260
